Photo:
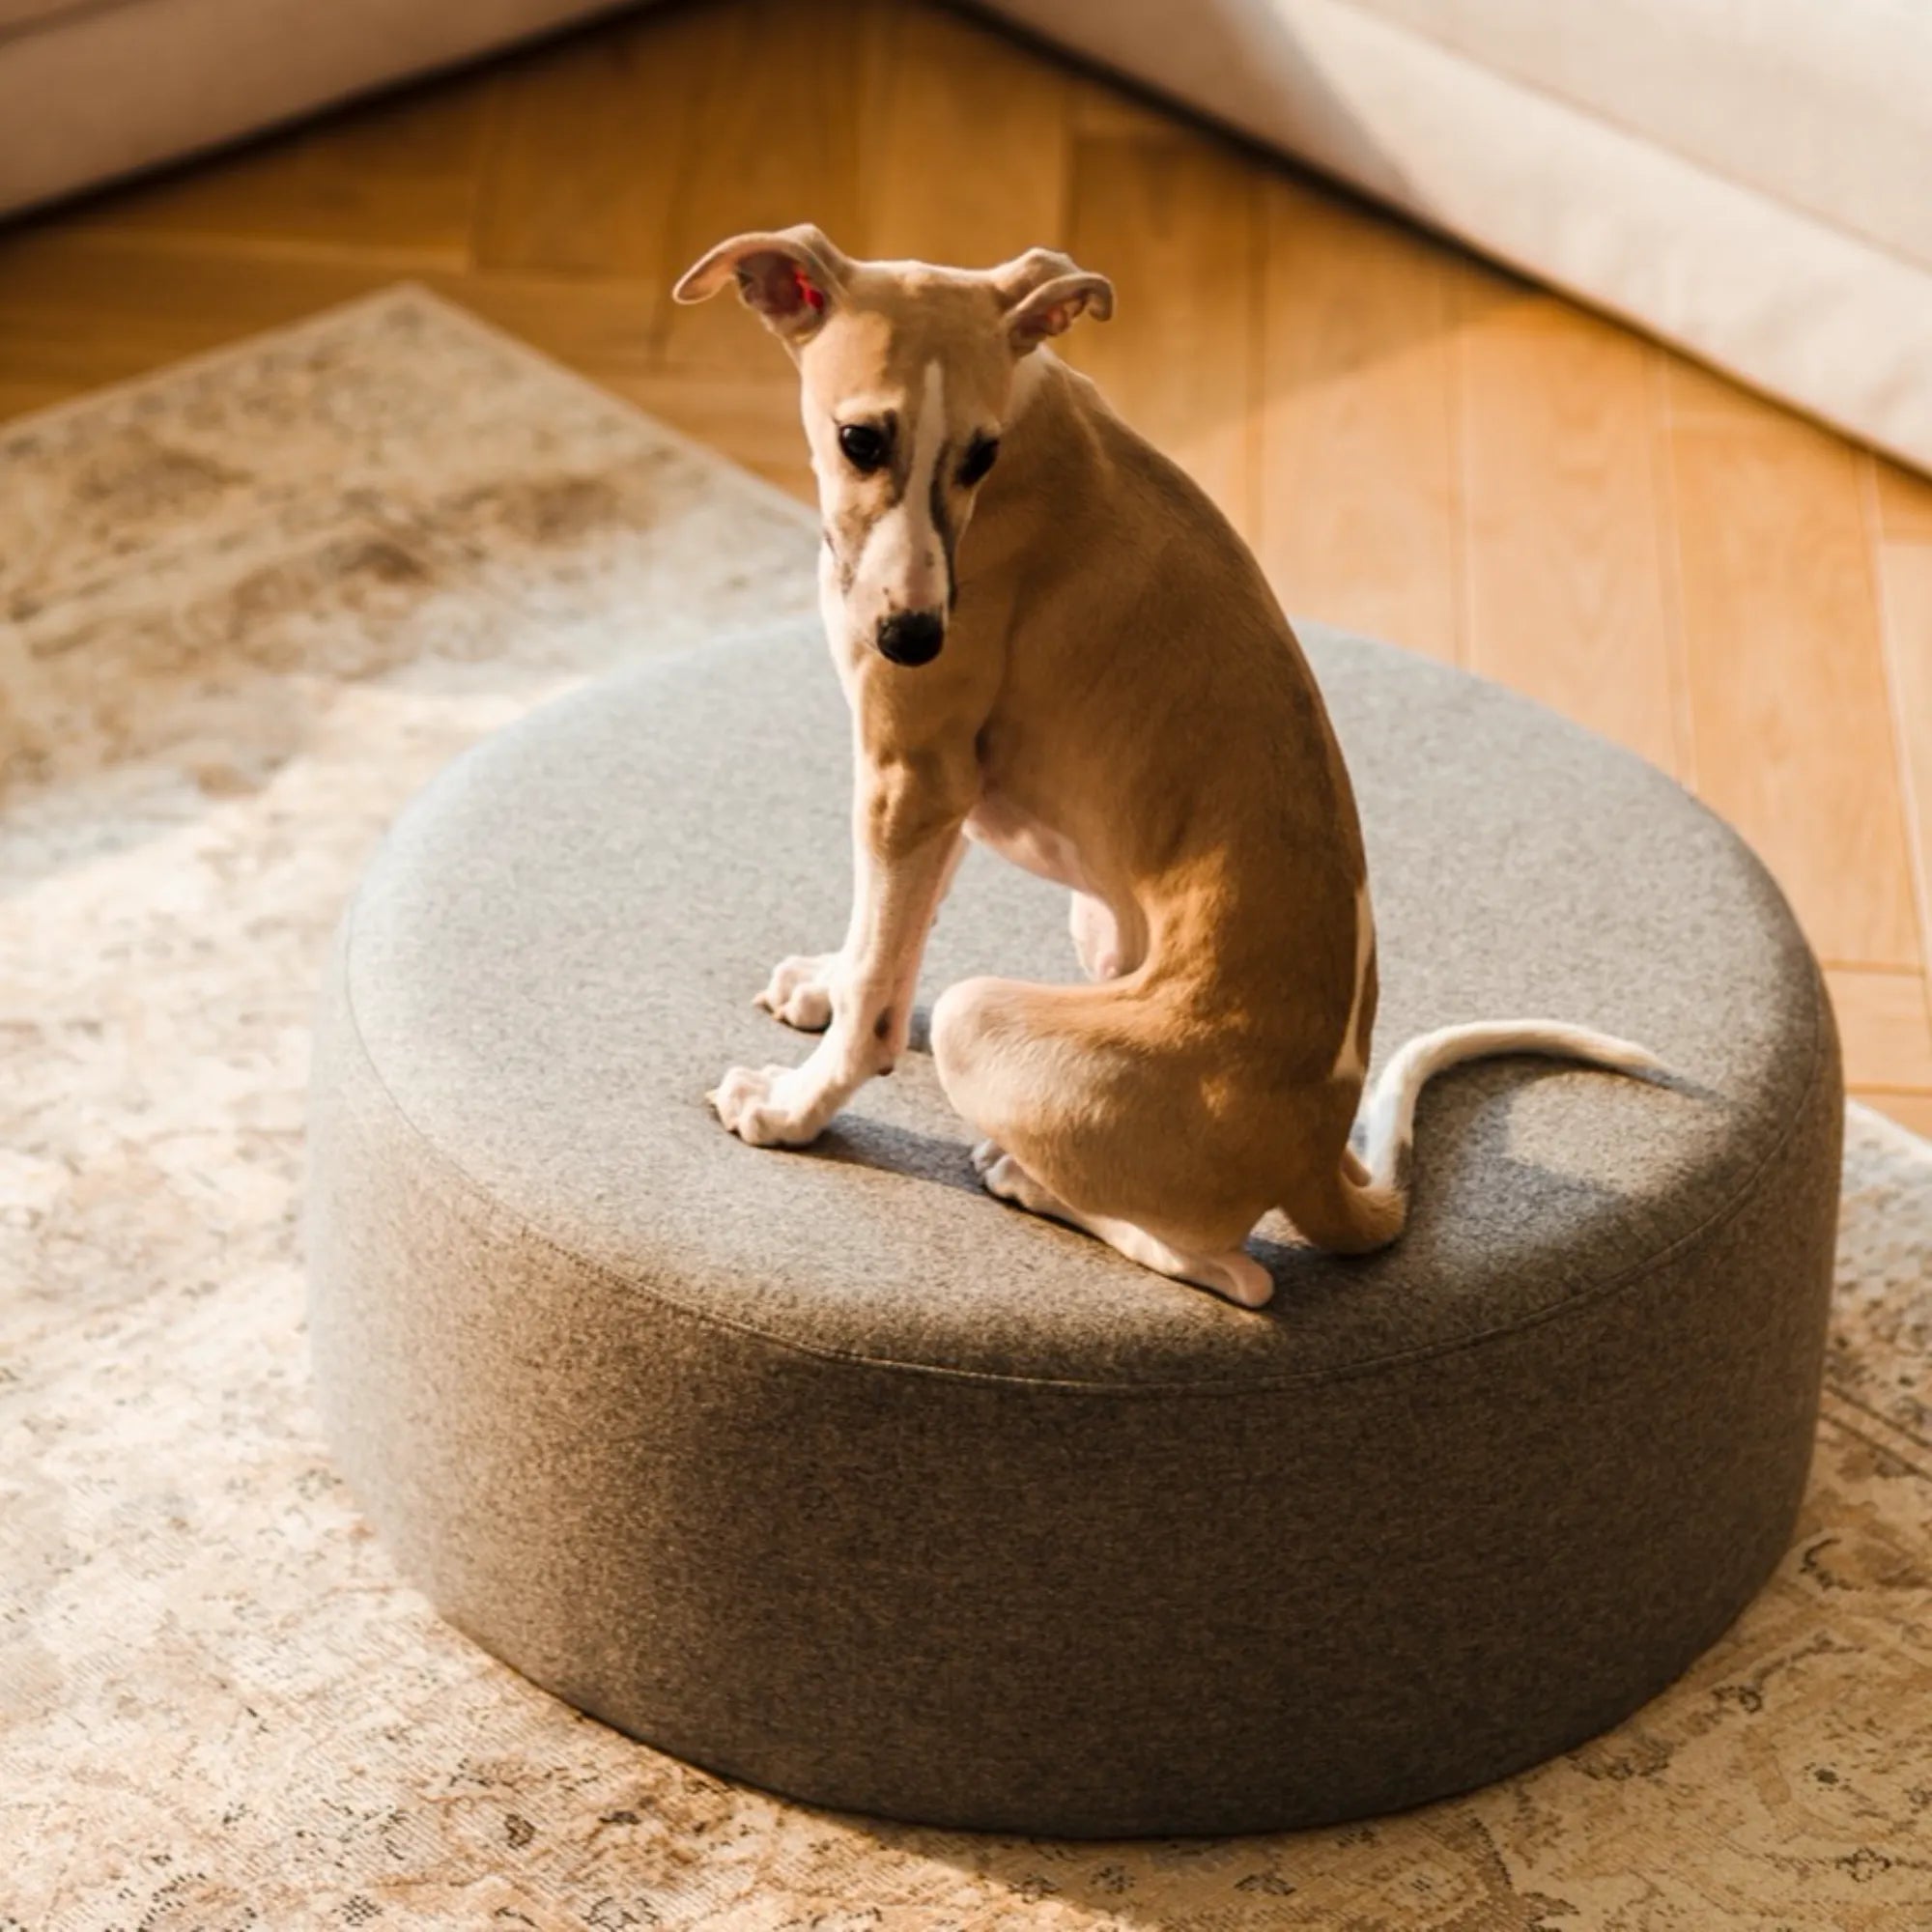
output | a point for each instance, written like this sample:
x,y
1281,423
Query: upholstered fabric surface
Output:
x,y
824,1470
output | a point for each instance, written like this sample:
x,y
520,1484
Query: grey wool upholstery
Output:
x,y
826,1472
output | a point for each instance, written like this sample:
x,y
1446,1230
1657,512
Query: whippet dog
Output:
x,y
1054,645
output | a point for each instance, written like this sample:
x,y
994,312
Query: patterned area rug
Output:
x,y
246,608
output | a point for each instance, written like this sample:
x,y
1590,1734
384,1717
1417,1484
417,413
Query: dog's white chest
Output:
x,y
1023,840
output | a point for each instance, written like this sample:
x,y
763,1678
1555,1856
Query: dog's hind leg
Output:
x,y
1096,936
1034,1068
1232,1274
1106,946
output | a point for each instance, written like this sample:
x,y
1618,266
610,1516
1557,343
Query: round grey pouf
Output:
x,y
827,1471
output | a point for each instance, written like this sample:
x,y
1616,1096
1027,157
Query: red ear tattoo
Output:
x,y
813,298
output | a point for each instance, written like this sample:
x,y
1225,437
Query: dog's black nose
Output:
x,y
912,637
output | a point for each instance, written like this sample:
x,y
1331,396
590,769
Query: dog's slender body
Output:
x,y
1097,683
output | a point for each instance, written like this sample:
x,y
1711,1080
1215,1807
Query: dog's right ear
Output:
x,y
1043,293
792,277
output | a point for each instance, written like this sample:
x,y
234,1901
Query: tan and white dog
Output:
x,y
1054,645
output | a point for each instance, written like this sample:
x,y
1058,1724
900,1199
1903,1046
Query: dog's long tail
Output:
x,y
1373,1203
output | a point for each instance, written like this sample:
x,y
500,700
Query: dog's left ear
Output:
x,y
792,277
1044,293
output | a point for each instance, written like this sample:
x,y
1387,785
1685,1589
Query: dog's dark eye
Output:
x,y
863,445
981,453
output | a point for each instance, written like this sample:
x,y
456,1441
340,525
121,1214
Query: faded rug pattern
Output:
x,y
246,608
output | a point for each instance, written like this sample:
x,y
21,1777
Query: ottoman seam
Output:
x,y
1066,1384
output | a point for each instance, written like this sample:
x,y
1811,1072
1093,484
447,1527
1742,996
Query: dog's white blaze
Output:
x,y
902,563
1349,1063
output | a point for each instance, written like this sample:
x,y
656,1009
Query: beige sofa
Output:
x,y
90,89
1748,179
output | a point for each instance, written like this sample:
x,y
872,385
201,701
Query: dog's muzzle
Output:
x,y
912,637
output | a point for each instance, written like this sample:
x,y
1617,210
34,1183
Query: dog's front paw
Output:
x,y
762,1109
799,991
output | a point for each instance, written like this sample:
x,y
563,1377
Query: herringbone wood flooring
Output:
x,y
1415,443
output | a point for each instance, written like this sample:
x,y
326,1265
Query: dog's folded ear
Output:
x,y
1045,293
792,277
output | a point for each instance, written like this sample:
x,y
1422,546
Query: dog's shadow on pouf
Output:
x,y
856,1139
1472,1184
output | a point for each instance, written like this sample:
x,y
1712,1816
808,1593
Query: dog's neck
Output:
x,y
1042,368
1049,461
